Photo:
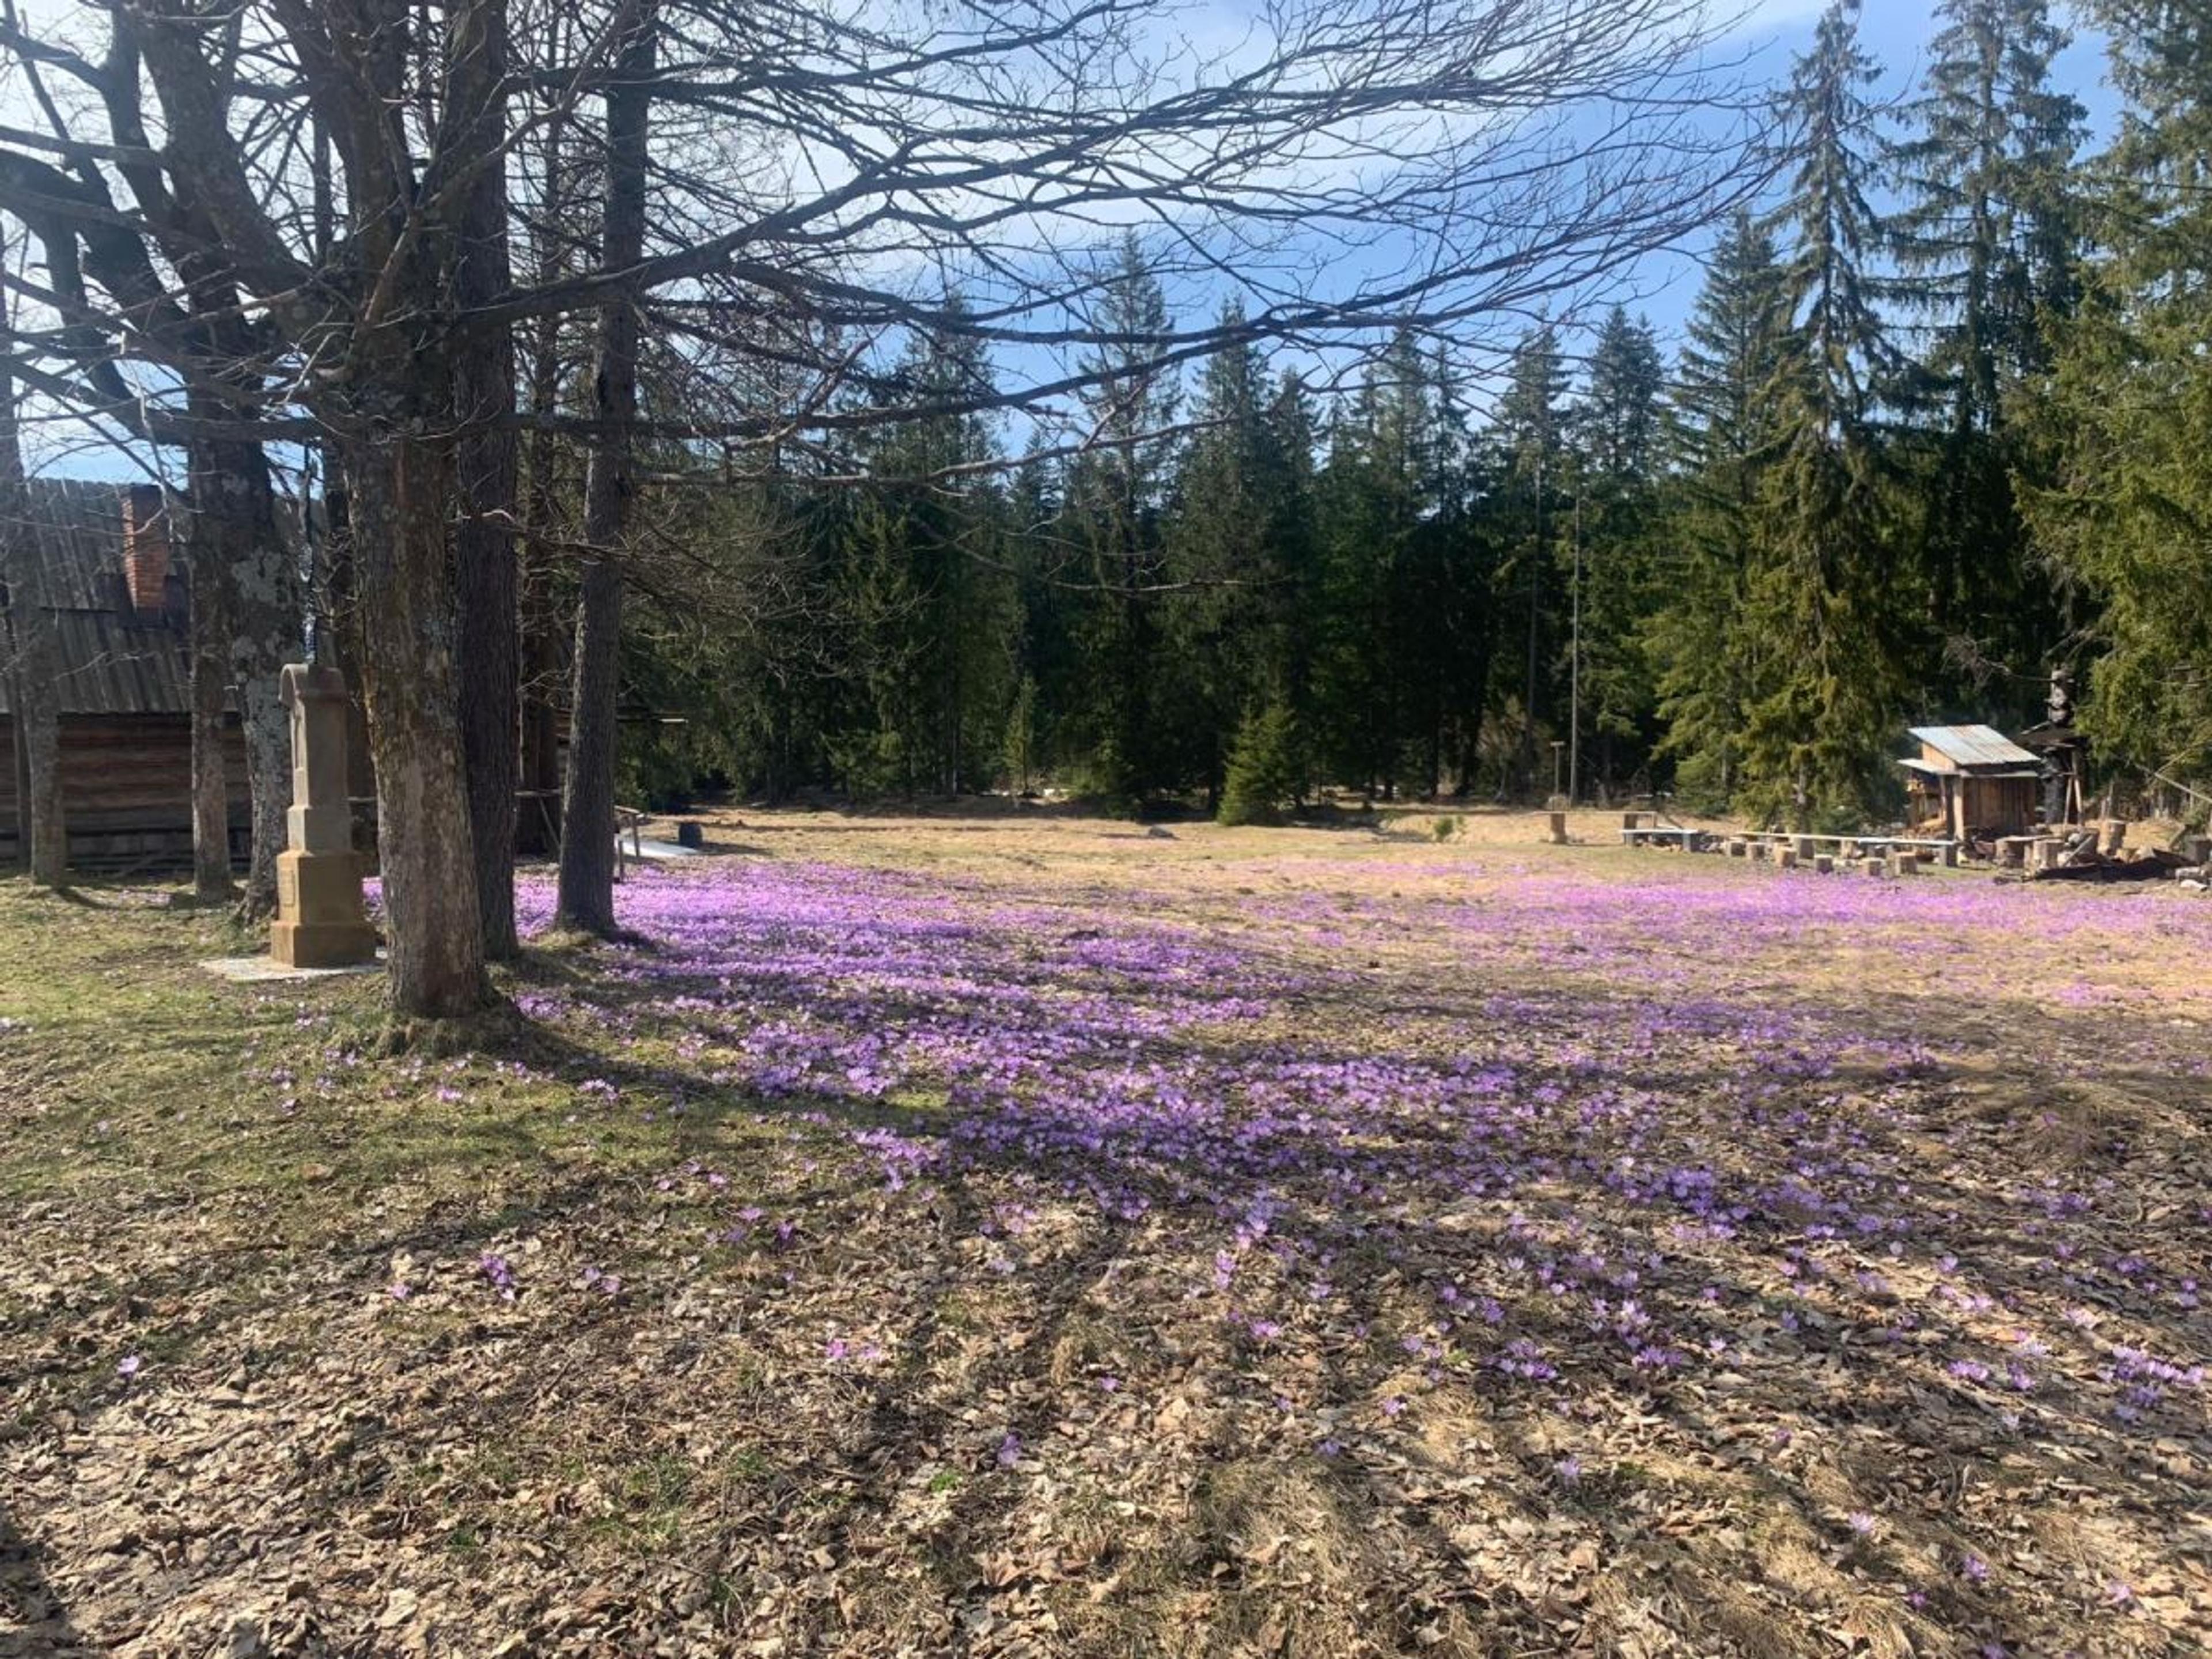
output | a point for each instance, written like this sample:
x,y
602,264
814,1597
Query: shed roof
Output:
x,y
1973,746
1925,770
113,661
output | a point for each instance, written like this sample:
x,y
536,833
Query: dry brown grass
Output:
x,y
1058,1451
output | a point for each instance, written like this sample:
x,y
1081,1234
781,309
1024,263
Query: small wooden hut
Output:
x,y
1972,782
118,602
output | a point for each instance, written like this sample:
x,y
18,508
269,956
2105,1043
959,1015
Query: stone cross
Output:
x,y
320,922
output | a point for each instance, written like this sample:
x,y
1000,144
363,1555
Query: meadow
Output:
x,y
1038,1236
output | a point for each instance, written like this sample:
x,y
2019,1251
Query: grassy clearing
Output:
x,y
1050,1236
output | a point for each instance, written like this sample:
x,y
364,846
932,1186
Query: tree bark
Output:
x,y
266,633
484,537
31,622
399,488
206,544
37,717
587,832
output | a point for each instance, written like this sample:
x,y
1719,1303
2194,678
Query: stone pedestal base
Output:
x,y
323,945
320,922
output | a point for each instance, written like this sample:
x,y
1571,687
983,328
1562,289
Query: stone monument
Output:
x,y
320,922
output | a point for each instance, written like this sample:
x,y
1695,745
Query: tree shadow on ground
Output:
x,y
34,1623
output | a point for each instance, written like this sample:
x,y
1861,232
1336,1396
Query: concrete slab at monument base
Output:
x,y
262,970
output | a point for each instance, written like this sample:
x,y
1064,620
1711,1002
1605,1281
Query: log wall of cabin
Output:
x,y
126,787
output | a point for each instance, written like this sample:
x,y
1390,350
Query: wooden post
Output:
x,y
1824,864
1558,829
1787,858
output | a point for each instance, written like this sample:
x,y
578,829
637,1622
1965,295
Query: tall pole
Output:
x,y
1535,573
1575,667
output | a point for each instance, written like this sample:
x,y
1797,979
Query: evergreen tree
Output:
x,y
1115,497
1829,603
1267,767
1227,644
1531,421
1620,410
1721,431
1375,494
1611,547
1987,243
925,593
2127,416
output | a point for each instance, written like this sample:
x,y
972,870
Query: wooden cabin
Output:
x,y
1972,782
119,605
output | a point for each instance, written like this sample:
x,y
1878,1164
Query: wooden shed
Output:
x,y
118,604
1972,782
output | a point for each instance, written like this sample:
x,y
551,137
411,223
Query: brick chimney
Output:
x,y
146,550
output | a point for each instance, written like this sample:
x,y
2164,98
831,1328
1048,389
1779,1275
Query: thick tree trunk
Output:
x,y
38,708
37,660
399,489
338,621
266,633
209,652
246,626
39,716
587,831
483,537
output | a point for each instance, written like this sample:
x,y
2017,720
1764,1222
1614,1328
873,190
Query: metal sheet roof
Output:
x,y
1973,746
113,660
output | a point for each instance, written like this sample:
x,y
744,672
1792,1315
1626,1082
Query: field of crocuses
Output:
x,y
936,1236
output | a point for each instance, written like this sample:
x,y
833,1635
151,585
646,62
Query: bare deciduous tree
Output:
x,y
816,182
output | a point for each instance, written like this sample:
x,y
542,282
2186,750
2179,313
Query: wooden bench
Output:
x,y
1808,845
1689,841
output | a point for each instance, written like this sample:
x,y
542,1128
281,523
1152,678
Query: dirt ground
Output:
x,y
1014,1233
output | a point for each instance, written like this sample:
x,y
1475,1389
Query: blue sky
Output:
x,y
1896,32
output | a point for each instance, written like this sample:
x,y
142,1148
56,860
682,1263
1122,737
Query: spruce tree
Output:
x,y
1531,421
1830,604
925,594
1986,244
1611,540
1721,432
1374,495
1115,497
2126,415
1224,650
